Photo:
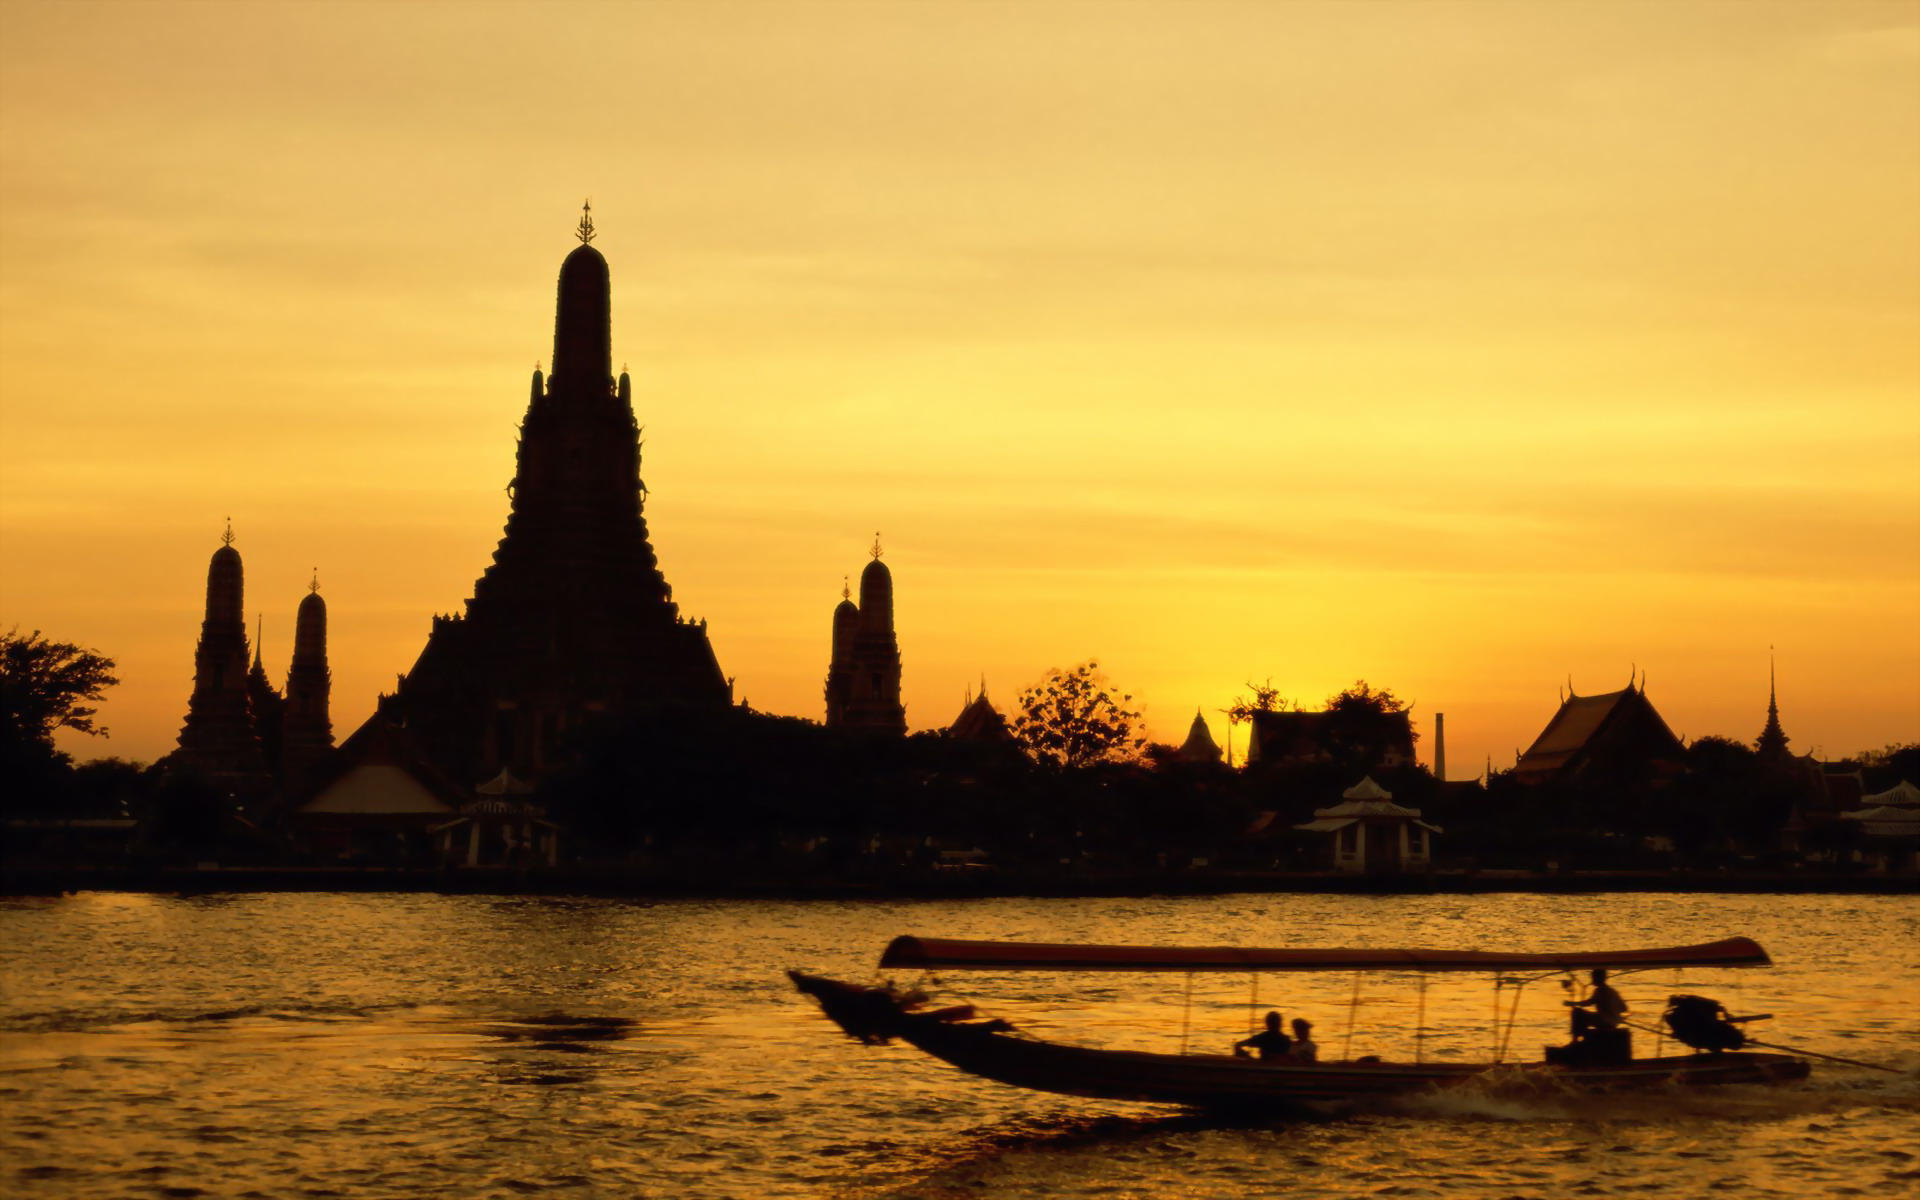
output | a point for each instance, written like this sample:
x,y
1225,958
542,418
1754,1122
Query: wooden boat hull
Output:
x,y
1224,1082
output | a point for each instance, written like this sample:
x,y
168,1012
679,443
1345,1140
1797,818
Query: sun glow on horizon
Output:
x,y
1460,347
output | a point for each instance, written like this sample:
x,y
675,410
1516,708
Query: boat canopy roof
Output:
x,y
1043,956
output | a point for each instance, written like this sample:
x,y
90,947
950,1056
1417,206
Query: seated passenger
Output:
x,y
1303,1047
1270,1042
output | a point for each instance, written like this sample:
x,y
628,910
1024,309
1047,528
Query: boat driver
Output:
x,y
1270,1042
1608,1008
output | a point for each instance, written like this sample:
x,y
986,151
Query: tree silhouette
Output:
x,y
46,686
1266,698
1073,719
1365,699
1364,725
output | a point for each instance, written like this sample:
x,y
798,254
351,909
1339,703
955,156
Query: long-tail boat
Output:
x,y
994,1050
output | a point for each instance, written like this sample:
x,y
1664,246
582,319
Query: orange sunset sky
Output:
x,y
1465,347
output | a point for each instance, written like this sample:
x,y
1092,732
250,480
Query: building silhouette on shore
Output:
x,y
241,734
980,721
573,620
1607,736
863,674
1199,746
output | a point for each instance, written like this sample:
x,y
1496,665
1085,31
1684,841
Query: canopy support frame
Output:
x,y
1420,1023
1353,1014
1186,1015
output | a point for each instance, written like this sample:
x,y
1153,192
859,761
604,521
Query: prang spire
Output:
x,y
572,622
863,676
217,739
582,324
307,729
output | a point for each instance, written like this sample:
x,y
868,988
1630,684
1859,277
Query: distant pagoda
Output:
x,y
268,706
1772,742
242,735
573,619
306,729
219,740
863,675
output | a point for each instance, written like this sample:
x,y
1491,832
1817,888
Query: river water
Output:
x,y
282,1045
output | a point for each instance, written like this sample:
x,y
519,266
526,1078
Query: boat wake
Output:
x,y
61,1020
1524,1096
1084,1153
513,1027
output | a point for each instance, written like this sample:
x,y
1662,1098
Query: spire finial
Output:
x,y
313,585
876,545
259,635
226,539
846,587
585,231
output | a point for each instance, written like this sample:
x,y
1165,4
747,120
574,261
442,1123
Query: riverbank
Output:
x,y
206,878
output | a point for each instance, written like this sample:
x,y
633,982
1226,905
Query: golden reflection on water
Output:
x,y
347,1045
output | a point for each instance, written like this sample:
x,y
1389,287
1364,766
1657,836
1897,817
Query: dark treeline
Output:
x,y
1726,807
735,797
743,797
777,789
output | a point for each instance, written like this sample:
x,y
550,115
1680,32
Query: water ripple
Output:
x,y
366,1046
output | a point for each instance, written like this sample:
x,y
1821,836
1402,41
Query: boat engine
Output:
x,y
1703,1024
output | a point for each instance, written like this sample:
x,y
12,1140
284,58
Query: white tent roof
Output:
x,y
1886,821
1366,789
376,788
1367,808
506,783
1325,826
1903,793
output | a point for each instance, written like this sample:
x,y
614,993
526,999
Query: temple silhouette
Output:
x,y
573,619
307,726
1608,736
980,721
247,738
1771,745
863,676
1199,746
